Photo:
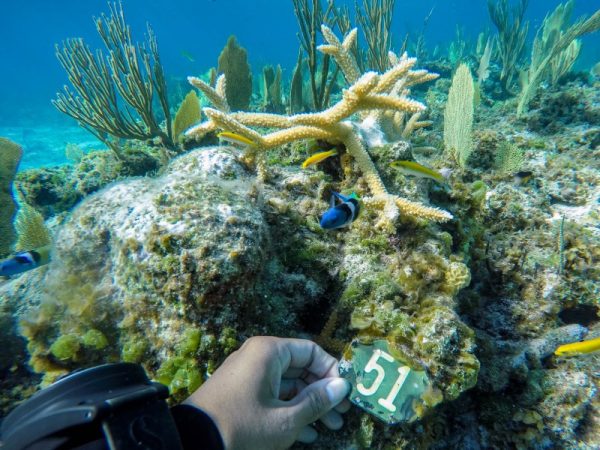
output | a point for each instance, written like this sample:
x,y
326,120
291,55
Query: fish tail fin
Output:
x,y
342,198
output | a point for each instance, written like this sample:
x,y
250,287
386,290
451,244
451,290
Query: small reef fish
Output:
x,y
578,348
342,215
417,170
235,138
522,177
24,261
318,157
188,56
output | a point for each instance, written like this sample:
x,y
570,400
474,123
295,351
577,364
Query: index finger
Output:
x,y
305,355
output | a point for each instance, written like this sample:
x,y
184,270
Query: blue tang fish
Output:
x,y
24,261
341,215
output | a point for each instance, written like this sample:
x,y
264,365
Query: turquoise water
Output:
x,y
266,28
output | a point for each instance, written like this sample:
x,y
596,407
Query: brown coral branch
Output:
x,y
216,96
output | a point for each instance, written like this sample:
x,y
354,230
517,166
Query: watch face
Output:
x,y
382,385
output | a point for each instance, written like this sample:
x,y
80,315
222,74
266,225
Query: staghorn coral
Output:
x,y
507,235
370,94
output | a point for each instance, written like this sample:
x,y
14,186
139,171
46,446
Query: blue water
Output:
x,y
31,75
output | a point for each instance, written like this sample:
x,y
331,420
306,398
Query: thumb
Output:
x,y
317,399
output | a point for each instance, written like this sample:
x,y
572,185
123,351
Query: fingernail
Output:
x,y
337,389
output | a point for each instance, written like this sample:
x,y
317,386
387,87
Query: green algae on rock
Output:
x,y
146,265
54,190
181,270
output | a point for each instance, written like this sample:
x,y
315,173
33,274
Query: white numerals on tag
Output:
x,y
373,366
388,402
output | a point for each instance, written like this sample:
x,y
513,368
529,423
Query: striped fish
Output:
x,y
341,215
417,170
24,261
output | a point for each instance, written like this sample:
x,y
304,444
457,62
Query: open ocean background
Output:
x,y
31,75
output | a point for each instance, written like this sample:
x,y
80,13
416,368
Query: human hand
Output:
x,y
265,395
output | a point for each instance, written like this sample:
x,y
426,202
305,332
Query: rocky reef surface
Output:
x,y
175,270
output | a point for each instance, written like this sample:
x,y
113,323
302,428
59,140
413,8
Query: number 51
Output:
x,y
388,402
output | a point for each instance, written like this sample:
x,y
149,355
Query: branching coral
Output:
x,y
319,69
378,98
554,50
512,33
115,94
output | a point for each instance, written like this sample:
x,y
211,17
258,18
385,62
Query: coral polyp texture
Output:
x,y
377,98
10,156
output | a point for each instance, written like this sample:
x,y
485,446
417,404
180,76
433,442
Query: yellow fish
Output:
x,y
578,348
235,138
417,170
318,157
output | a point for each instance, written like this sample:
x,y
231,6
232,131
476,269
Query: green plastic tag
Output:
x,y
382,385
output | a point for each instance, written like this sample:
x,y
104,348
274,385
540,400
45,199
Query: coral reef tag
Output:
x,y
382,385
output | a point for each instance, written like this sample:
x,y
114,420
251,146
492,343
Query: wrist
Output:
x,y
196,425
222,425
